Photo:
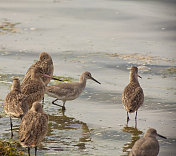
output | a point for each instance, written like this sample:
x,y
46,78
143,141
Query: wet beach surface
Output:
x,y
105,37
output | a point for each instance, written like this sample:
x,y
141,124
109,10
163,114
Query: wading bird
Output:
x,y
68,91
35,87
133,96
148,145
45,62
33,127
15,103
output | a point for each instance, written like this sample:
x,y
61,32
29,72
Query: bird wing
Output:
x,y
127,93
33,128
34,91
62,90
15,104
27,76
32,87
137,98
26,127
132,97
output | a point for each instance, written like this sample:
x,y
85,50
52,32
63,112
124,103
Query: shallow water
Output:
x,y
105,38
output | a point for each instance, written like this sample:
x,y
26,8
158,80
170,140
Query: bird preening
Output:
x,y
33,127
15,103
23,101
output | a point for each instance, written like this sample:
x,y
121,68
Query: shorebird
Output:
x,y
35,87
45,62
15,104
133,96
33,127
147,146
68,91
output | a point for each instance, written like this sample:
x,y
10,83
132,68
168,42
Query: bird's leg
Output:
x,y
127,118
63,112
35,150
63,107
136,115
28,151
11,125
43,99
135,123
53,102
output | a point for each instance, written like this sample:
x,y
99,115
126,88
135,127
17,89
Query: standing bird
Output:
x,y
133,96
33,127
147,146
45,62
35,87
68,91
15,104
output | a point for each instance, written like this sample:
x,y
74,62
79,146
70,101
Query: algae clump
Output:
x,y
9,149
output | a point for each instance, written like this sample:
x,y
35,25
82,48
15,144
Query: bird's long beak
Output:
x,y
139,76
52,77
161,136
95,80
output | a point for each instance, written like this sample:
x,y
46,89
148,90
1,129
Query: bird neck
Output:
x,y
83,81
133,78
37,109
16,87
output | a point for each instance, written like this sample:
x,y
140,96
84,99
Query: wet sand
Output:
x,y
105,38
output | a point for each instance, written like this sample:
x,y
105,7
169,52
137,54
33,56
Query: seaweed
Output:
x,y
8,27
63,78
10,148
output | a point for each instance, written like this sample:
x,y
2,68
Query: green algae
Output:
x,y
168,72
63,78
171,70
137,58
135,135
10,148
8,27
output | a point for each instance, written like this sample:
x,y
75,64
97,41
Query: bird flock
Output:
x,y
24,102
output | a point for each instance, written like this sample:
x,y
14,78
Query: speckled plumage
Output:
x,y
33,127
68,91
45,62
15,103
133,96
35,87
148,145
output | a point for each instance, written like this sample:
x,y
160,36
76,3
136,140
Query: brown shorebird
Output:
x,y
45,62
33,127
147,146
35,87
68,91
15,104
133,96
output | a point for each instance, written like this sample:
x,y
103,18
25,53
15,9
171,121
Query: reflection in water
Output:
x,y
66,132
85,136
134,137
62,122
